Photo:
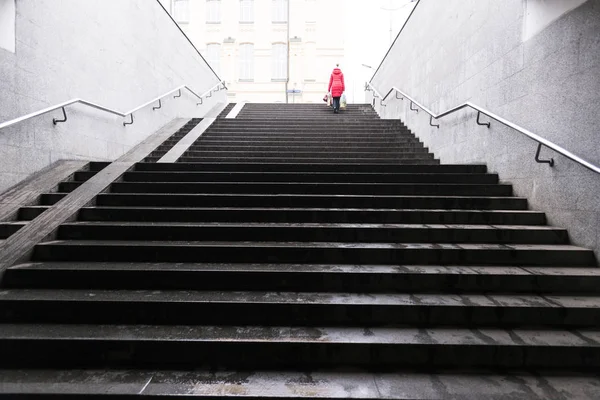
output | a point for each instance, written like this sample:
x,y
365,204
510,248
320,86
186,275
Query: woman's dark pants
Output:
x,y
336,104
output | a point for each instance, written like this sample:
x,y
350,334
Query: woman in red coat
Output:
x,y
336,87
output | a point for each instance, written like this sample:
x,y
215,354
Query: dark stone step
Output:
x,y
314,253
153,307
319,201
361,233
390,150
317,144
304,278
334,384
213,176
398,153
290,215
307,188
311,160
172,347
289,167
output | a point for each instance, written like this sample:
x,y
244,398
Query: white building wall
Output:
x,y
533,62
117,53
318,23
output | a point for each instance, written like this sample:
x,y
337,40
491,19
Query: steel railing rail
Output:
x,y
480,110
158,99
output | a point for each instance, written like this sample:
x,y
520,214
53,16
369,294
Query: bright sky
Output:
x,y
367,38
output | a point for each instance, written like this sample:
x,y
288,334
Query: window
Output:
x,y
279,65
280,11
247,11
311,11
246,61
7,25
213,56
181,10
213,11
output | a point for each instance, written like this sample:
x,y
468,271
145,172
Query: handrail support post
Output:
x,y
129,123
56,121
482,123
538,160
431,122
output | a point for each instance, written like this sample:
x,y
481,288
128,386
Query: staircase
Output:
x,y
294,253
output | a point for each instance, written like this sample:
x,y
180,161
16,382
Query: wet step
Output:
x,y
313,253
299,215
168,347
322,177
311,232
322,278
154,307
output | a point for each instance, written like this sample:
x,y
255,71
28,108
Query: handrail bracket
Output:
x,y
537,157
431,122
159,105
201,102
399,98
129,123
482,123
178,94
413,109
56,121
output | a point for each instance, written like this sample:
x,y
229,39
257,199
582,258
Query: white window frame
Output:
x,y
246,58
279,62
7,25
247,11
213,11
181,11
280,11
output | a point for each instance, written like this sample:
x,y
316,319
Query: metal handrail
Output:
x,y
480,110
62,106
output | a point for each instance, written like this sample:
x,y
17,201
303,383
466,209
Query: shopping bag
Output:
x,y
326,97
329,99
343,103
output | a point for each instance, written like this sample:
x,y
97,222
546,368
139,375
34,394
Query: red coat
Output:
x,y
336,83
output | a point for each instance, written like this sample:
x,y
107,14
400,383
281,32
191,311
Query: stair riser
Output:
x,y
400,154
241,314
127,252
312,234
145,279
166,354
6,230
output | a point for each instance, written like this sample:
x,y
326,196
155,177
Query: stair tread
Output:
x,y
471,300
314,268
325,384
324,245
579,338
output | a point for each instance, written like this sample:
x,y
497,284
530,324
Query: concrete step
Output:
x,y
303,309
398,153
295,384
289,177
289,167
317,201
452,189
169,347
313,253
322,278
313,232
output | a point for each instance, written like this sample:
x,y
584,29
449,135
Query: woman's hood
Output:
x,y
337,71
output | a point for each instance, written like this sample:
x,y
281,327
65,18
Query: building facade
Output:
x,y
246,43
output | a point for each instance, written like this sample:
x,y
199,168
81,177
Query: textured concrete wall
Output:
x,y
118,53
476,50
